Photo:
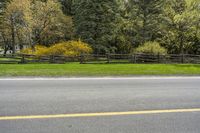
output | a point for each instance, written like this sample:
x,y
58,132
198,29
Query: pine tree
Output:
x,y
144,17
96,22
3,5
66,6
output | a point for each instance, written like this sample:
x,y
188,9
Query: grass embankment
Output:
x,y
75,69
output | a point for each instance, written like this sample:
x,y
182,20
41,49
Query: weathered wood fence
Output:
x,y
25,58
108,58
141,58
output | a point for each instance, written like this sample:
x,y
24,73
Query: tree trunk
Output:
x,y
144,34
13,35
6,44
181,41
20,40
5,51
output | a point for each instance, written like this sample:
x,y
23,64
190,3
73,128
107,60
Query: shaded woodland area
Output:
x,y
108,26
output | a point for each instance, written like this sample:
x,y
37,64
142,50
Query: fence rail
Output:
x,y
141,58
108,58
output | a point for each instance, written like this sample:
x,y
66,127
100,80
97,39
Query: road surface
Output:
x,y
129,105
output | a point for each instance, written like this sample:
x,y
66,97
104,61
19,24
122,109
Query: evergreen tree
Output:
x,y
144,19
66,6
96,22
3,5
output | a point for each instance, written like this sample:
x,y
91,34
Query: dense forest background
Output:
x,y
108,26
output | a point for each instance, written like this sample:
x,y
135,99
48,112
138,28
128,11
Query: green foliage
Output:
x,y
49,24
151,48
30,22
70,48
123,44
96,22
180,29
2,3
173,23
143,20
66,6
108,26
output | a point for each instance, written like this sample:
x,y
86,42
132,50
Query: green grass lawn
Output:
x,y
76,69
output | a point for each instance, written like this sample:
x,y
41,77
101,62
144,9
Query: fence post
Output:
x,y
135,58
23,59
81,59
158,56
51,59
132,58
182,58
108,58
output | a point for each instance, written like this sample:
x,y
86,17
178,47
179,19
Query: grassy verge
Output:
x,y
75,69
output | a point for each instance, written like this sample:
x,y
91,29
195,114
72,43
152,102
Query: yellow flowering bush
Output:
x,y
38,50
69,48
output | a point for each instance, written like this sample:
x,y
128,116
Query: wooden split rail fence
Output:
x,y
24,59
141,58
108,58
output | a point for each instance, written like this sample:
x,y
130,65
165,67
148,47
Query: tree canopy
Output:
x,y
96,22
108,26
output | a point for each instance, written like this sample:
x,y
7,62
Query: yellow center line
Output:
x,y
2,118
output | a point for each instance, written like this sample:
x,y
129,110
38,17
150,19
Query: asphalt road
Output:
x,y
85,96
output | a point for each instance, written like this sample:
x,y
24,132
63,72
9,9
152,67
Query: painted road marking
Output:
x,y
3,118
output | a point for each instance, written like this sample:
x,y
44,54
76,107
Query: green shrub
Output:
x,y
69,48
151,48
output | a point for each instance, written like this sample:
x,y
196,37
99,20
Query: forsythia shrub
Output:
x,y
38,50
151,48
69,48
